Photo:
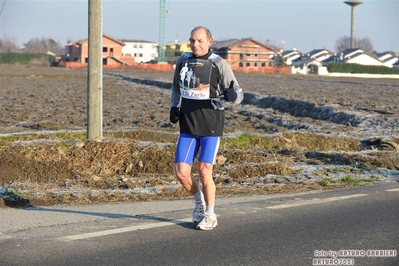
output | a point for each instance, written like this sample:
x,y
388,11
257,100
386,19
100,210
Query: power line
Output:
x,y
1,11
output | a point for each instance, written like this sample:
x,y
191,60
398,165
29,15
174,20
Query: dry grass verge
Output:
x,y
47,169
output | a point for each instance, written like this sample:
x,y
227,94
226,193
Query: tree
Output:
x,y
43,45
280,61
344,42
7,44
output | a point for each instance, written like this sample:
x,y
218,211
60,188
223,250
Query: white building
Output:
x,y
290,55
389,59
142,51
316,61
311,63
359,56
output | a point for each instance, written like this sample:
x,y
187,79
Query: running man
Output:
x,y
200,114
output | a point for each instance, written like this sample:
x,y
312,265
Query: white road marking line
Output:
x,y
124,230
392,190
314,201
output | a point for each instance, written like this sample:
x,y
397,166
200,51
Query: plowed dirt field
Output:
x,y
291,133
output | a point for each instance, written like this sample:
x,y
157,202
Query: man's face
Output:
x,y
199,42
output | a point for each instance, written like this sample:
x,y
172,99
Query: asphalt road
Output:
x,y
360,224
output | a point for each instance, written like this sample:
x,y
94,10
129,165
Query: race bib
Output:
x,y
195,76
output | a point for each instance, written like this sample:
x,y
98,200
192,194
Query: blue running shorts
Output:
x,y
188,146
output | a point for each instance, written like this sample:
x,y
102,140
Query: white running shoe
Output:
x,y
198,213
208,223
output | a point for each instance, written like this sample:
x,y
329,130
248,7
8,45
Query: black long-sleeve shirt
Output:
x,y
198,116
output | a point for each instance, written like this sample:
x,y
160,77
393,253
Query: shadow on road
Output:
x,y
115,216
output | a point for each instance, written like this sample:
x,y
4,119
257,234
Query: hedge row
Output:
x,y
22,59
360,69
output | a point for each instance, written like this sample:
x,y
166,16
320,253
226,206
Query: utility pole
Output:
x,y
94,82
161,50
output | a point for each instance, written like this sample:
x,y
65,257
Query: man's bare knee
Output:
x,y
183,171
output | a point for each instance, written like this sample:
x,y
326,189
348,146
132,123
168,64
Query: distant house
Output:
x,y
350,53
317,61
78,53
311,62
358,56
244,53
289,56
388,59
320,54
142,51
307,65
174,50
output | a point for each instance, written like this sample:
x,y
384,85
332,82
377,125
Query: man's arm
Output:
x,y
228,78
175,94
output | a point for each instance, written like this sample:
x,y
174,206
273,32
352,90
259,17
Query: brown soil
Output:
x,y
307,132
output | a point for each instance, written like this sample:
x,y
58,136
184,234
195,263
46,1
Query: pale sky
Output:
x,y
304,25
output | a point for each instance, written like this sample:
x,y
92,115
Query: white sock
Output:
x,y
199,196
210,209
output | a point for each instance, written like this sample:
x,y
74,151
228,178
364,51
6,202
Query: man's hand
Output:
x,y
230,95
174,115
